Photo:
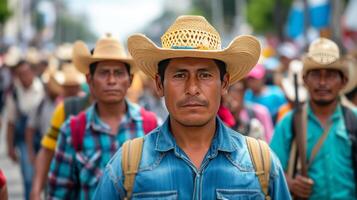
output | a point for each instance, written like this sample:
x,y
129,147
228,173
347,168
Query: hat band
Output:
x,y
190,47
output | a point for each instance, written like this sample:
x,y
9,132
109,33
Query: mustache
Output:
x,y
194,100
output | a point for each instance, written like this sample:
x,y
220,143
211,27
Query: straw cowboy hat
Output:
x,y
324,54
295,67
69,75
48,78
193,36
105,49
13,56
352,75
64,51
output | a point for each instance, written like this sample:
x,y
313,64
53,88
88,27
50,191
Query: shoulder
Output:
x,y
58,115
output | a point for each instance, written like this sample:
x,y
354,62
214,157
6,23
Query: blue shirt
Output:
x,y
331,170
166,172
271,97
75,175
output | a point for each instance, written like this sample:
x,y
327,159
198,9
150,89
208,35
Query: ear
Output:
x,y
131,78
159,85
88,79
225,84
344,81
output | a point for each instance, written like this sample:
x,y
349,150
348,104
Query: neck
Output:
x,y
323,112
111,111
193,137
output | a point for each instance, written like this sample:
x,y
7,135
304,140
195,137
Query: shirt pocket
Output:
x,y
89,170
239,194
158,195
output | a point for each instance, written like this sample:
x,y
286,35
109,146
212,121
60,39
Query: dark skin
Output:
x,y
109,85
26,76
192,89
324,86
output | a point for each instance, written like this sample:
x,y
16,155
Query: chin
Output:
x,y
193,121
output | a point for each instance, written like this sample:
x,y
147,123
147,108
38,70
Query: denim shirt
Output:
x,y
166,172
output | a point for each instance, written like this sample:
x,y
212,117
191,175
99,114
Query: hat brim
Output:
x,y
240,56
82,58
310,64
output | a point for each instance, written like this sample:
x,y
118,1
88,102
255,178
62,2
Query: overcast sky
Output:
x,y
119,17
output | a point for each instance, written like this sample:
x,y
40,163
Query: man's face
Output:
x,y
324,85
25,75
110,82
71,90
192,90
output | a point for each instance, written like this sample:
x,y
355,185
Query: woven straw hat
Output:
x,y
69,75
352,80
106,49
48,78
324,54
193,36
64,51
13,56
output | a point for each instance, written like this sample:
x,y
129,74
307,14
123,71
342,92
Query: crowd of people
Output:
x,y
176,121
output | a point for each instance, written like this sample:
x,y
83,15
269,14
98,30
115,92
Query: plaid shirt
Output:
x,y
74,175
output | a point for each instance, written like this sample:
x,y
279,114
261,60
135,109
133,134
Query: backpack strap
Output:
x,y
350,120
260,155
149,120
78,127
131,156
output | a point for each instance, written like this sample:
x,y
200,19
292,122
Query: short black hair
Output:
x,y
164,63
93,67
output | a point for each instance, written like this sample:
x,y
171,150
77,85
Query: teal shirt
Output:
x,y
332,169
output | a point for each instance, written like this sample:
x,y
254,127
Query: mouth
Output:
x,y
190,105
322,91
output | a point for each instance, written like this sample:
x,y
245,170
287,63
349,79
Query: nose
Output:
x,y
192,87
111,79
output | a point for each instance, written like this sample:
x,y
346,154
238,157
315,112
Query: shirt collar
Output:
x,y
222,140
337,114
132,114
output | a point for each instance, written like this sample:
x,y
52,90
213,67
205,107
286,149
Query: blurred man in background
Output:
x,y
330,148
25,96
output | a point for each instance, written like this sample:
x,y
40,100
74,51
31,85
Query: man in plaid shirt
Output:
x,y
80,158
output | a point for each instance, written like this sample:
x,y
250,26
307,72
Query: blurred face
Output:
x,y
110,82
235,97
25,74
192,90
324,85
71,90
255,85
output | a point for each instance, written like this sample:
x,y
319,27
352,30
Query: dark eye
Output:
x,y
118,73
205,75
179,75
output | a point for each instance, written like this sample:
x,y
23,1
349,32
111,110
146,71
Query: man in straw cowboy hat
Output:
x,y
193,155
329,165
88,140
69,79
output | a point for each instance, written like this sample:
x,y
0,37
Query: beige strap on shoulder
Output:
x,y
131,156
260,154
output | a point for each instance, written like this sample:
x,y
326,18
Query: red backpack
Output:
x,y
78,126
